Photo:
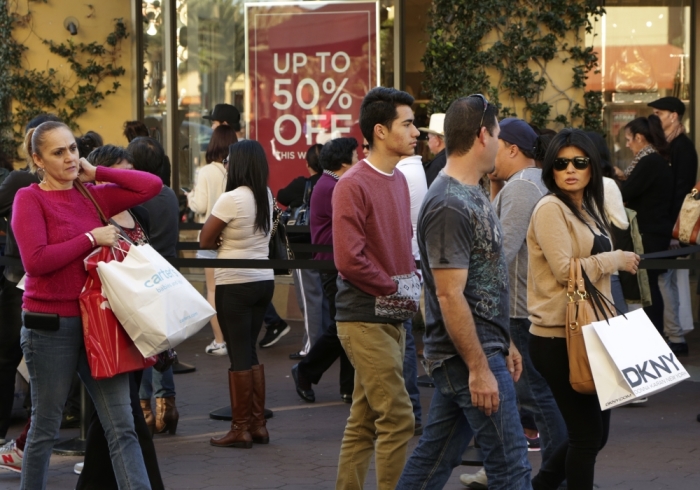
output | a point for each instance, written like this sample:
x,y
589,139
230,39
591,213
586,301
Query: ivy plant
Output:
x,y
27,92
518,41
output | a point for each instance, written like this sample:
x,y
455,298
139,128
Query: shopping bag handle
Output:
x,y
83,190
599,298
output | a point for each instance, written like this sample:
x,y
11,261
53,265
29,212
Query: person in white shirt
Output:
x,y
412,169
239,227
210,184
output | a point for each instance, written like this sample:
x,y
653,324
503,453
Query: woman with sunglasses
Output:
x,y
568,224
648,189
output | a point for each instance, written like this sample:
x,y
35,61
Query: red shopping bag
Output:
x,y
110,351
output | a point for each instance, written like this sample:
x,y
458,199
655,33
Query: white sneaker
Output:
x,y
11,457
216,349
78,468
639,400
477,481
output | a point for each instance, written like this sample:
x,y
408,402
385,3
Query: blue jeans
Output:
x,y
534,394
162,383
410,371
452,420
271,316
52,358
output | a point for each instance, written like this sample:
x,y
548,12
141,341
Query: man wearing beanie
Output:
x,y
675,284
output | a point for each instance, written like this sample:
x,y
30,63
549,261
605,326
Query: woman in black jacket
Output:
x,y
648,189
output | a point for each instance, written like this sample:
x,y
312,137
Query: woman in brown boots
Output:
x,y
239,228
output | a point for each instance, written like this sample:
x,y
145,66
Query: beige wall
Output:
x,y
95,25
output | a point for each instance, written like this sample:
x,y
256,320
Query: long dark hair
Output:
x,y
652,130
593,193
248,167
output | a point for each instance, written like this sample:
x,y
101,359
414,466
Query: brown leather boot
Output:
x,y
258,423
167,415
240,387
148,415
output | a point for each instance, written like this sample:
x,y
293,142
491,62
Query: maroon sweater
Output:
x,y
371,239
50,229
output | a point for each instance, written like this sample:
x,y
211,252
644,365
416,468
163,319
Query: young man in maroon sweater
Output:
x,y
378,289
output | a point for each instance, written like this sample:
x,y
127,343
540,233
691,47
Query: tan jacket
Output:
x,y
555,236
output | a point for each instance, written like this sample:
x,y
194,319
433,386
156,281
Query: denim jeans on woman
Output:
x,y
453,420
52,358
155,382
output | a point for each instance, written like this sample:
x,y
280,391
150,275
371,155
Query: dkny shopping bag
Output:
x,y
110,351
157,306
629,359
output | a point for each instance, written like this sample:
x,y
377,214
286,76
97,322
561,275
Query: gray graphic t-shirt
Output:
x,y
458,229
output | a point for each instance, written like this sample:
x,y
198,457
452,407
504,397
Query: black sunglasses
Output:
x,y
581,163
486,106
365,147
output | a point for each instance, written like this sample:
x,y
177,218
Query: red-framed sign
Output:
x,y
308,67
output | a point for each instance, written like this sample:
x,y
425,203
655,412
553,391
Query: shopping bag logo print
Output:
x,y
650,372
164,279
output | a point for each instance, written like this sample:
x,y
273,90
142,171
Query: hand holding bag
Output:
x,y
109,349
158,307
583,308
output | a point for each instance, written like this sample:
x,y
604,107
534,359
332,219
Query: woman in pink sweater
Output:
x,y
56,227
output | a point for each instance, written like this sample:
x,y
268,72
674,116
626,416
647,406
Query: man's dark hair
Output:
x,y
88,142
379,107
593,193
462,123
149,156
134,129
312,158
249,169
40,119
221,139
108,155
527,153
337,152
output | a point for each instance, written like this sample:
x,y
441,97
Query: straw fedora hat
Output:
x,y
436,125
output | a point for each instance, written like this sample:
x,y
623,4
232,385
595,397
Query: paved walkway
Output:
x,y
655,446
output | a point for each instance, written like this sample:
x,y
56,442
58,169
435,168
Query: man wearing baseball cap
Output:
x,y
515,165
225,114
675,284
436,143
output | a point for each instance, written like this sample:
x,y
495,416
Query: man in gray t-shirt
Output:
x,y
522,189
467,349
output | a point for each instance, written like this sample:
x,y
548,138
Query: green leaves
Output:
x,y
516,39
34,92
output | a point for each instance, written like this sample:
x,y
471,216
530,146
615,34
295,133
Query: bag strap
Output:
x,y
83,190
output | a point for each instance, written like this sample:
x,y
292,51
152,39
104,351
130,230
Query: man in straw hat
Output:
x,y
436,143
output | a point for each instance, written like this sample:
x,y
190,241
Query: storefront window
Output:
x,y
644,54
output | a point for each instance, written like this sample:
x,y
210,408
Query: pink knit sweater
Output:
x,y
50,229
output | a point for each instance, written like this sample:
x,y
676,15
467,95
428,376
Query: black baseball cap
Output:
x,y
671,104
226,113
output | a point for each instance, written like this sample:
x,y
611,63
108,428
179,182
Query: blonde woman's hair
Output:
x,y
34,141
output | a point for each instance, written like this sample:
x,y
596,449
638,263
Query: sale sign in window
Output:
x,y
308,67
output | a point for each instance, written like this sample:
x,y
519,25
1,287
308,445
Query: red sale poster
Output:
x,y
308,67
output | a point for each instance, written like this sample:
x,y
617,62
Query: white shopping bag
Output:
x,y
629,359
157,306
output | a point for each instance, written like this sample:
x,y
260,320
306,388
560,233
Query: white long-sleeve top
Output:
x,y
209,185
412,169
614,207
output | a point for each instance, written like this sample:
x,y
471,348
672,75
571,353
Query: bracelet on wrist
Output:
x,y
91,238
